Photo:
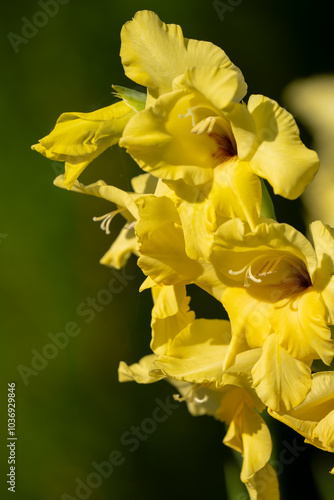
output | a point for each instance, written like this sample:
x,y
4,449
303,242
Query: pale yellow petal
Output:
x,y
161,142
280,378
200,400
162,248
303,332
250,328
161,243
154,53
243,128
111,193
236,191
257,445
197,353
324,432
313,418
139,372
247,433
278,154
215,84
121,249
168,300
239,374
78,138
198,218
170,315
264,484
144,183
323,238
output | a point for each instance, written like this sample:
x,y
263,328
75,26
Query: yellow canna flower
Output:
x,y
78,138
279,297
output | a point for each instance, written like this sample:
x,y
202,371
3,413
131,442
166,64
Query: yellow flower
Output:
x,y
279,296
78,138
190,354
162,248
154,53
197,136
314,417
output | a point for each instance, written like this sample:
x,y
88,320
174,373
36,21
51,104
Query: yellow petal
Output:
x,y
78,138
170,315
198,218
154,53
303,332
161,142
243,128
323,238
264,484
278,154
196,354
247,433
161,241
280,378
122,248
239,374
102,190
215,84
313,418
200,400
236,191
250,328
144,183
324,431
139,372
257,443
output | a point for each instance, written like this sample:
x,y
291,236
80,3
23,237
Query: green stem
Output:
x,y
267,207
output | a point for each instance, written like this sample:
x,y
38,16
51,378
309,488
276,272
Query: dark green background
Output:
x,y
74,412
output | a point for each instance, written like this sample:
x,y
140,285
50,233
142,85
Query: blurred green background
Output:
x,y
73,412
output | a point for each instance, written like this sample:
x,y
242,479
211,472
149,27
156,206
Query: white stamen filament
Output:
x,y
189,113
269,267
106,219
190,396
206,125
201,400
131,225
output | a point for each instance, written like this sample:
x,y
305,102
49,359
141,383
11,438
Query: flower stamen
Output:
x,y
106,219
189,113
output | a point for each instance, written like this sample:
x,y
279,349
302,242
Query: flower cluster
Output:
x,y
200,214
